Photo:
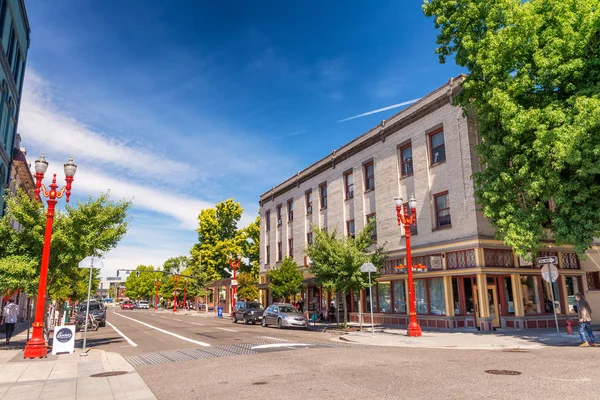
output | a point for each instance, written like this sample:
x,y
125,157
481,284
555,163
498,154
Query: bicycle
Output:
x,y
92,324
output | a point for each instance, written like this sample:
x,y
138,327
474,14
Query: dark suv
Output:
x,y
248,311
97,311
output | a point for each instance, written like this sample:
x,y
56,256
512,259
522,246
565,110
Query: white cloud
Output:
x,y
44,124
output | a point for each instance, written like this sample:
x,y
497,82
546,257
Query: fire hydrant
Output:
x,y
569,327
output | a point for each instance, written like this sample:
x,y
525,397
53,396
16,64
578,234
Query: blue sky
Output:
x,y
180,105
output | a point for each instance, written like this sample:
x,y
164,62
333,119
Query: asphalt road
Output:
x,y
252,362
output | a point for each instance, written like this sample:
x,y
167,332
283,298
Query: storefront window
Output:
x,y
399,297
573,288
508,294
455,296
368,299
436,296
356,300
384,297
421,296
531,296
548,297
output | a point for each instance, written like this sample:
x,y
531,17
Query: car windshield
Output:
x,y
254,306
92,307
288,309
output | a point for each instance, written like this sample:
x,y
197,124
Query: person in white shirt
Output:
x,y
9,316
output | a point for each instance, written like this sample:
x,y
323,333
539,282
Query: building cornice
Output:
x,y
377,134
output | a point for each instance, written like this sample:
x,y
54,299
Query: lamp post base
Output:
x,y
36,348
413,329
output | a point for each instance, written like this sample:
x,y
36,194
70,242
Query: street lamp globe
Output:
x,y
41,165
398,202
239,256
70,168
412,202
229,256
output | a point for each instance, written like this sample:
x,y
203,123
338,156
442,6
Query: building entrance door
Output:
x,y
492,294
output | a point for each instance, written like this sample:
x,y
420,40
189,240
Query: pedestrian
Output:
x,y
585,322
9,318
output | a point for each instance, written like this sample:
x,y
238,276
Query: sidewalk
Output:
x,y
510,339
68,376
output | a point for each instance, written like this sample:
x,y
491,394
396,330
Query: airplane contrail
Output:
x,y
405,103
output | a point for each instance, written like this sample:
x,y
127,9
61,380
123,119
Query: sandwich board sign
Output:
x,y
64,340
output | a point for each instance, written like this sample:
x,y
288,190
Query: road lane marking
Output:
x,y
166,332
131,342
228,330
195,323
175,319
160,316
273,338
275,345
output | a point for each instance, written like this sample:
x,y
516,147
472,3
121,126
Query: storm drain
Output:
x,y
502,372
516,351
107,374
260,383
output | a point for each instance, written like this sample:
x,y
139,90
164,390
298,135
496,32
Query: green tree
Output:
x,y
142,286
171,267
336,262
247,286
534,68
18,272
251,248
218,236
286,280
92,227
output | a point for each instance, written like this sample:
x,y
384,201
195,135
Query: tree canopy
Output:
x,y
285,280
142,286
533,87
247,286
94,226
251,248
336,262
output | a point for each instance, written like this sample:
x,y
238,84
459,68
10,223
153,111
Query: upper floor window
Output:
x,y
268,220
437,146
290,207
279,252
369,176
11,47
350,228
291,247
349,184
268,250
371,217
308,196
279,216
323,195
309,238
442,210
406,164
17,66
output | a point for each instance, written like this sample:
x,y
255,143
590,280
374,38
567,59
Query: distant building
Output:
x,y
471,280
14,34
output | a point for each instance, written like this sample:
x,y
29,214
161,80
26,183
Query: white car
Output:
x,y
143,305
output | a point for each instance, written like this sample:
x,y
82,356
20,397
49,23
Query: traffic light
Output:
x,y
137,274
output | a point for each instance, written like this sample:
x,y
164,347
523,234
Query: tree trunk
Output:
x,y
345,309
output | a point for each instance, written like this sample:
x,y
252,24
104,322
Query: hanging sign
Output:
x,y
64,340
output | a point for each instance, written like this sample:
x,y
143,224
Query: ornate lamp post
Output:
x,y
413,327
36,347
234,264
185,293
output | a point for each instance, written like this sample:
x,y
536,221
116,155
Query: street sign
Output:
x,y
546,260
549,273
234,282
368,267
91,262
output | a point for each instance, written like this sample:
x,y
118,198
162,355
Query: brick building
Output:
x,y
472,279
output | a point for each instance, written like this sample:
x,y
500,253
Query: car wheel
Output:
x,y
279,323
234,320
253,322
245,320
264,322
102,324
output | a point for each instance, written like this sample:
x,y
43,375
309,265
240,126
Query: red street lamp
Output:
x,y
413,327
36,347
156,285
234,265
176,279
185,293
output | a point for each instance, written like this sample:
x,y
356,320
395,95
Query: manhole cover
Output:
x,y
502,372
107,374
259,383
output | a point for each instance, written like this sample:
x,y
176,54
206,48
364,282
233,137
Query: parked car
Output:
x,y
143,305
284,315
248,311
97,311
127,305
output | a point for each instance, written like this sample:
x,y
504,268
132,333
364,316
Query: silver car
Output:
x,y
284,315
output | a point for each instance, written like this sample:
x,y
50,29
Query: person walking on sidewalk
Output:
x,y
585,322
9,317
